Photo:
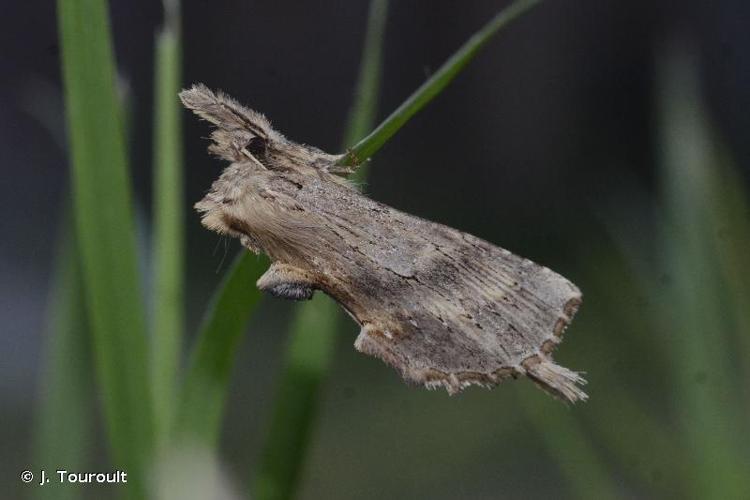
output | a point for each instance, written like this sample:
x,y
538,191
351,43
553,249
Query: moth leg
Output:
x,y
287,282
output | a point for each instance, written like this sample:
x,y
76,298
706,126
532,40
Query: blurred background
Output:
x,y
606,140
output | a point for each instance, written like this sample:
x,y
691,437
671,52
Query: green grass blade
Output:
x,y
106,234
207,380
362,113
365,148
306,365
570,446
65,412
619,417
313,334
168,251
703,357
730,214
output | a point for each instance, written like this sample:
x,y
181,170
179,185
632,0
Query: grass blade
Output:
x,y
168,251
570,446
106,234
308,360
313,333
730,214
207,379
365,148
362,112
706,387
65,412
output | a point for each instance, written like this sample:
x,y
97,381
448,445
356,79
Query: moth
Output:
x,y
443,307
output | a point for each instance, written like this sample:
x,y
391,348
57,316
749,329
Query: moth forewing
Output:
x,y
446,309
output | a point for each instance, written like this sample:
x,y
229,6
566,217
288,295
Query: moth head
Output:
x,y
242,134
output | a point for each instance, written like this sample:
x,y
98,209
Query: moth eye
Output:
x,y
256,146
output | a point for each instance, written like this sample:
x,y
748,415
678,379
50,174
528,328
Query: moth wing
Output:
x,y
478,314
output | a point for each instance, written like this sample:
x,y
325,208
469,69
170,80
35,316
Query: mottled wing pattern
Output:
x,y
446,308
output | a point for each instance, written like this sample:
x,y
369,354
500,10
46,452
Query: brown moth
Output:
x,y
441,306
